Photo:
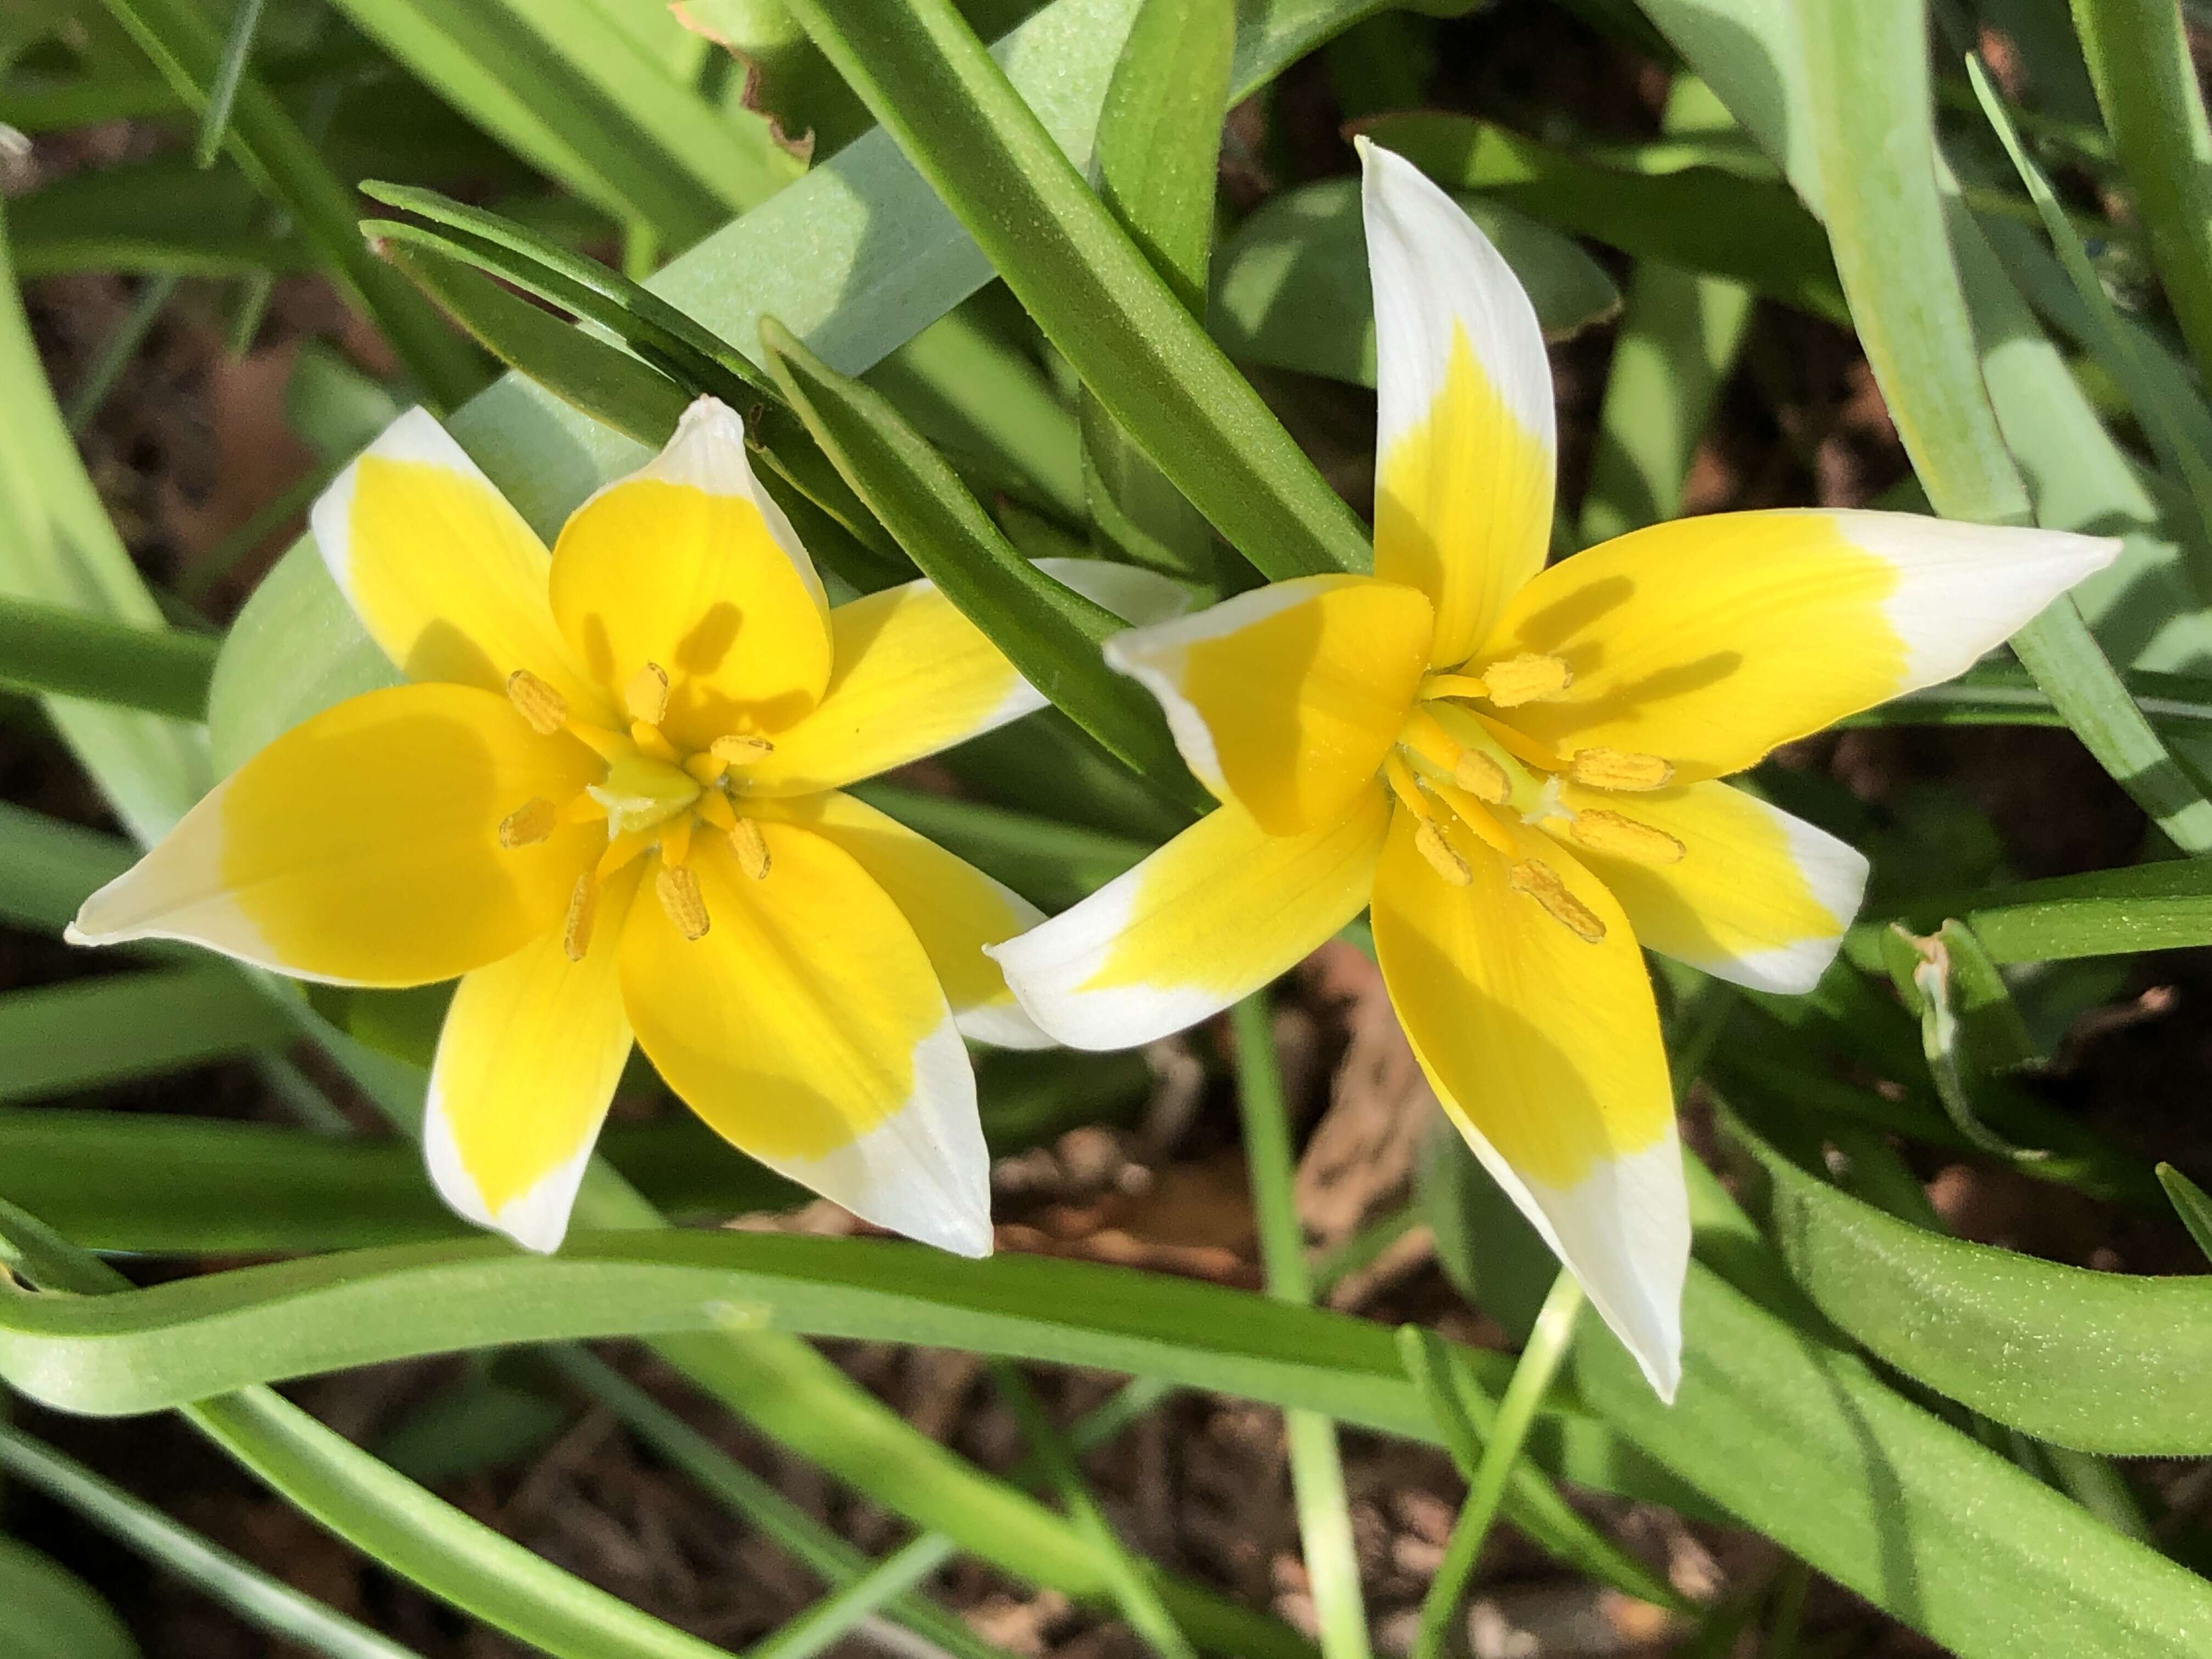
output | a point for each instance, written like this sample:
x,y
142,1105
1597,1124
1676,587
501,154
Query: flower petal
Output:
x,y
531,1050
441,571
362,846
1759,898
912,676
1710,641
689,564
1466,453
807,1028
1284,700
1544,1049
954,908
1213,916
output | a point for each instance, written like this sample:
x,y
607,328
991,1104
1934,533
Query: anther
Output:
x,y
1624,837
646,696
1482,777
528,825
1443,857
1527,679
1541,882
736,751
751,848
677,888
1618,768
546,709
583,910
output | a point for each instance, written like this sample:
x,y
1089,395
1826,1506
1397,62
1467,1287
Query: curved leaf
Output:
x,y
49,1612
2100,1362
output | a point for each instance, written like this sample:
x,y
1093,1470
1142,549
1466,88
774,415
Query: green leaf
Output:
x,y
264,1602
611,386
2097,1361
2145,907
1291,289
2190,1204
59,652
154,216
1801,1443
1702,219
2138,59
2001,694
565,84
1048,631
85,1033
1159,142
61,550
48,1613
1048,862
997,165
1871,113
47,867
183,44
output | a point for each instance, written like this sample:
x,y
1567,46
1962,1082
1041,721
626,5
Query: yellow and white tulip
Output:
x,y
1518,768
609,801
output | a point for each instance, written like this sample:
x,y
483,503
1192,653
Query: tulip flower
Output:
x,y
1519,768
610,802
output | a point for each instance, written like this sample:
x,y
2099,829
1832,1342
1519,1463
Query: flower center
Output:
x,y
1457,764
653,797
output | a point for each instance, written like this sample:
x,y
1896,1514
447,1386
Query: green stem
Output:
x,y
1516,1414
115,354
1316,1469
237,47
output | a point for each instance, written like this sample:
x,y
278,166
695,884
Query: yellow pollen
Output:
x,y
583,910
735,750
751,848
1617,768
1624,837
1526,679
677,890
528,825
646,696
1482,777
546,709
1541,882
1443,857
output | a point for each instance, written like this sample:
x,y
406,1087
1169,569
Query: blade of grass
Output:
x,y
182,42
1517,1415
2190,1203
1317,1470
935,88
80,1035
1133,1592
237,49
2139,60
268,1604
118,349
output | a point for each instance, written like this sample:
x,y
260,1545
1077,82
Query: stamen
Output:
x,y
583,810
1624,837
528,825
1479,819
1482,777
714,807
1443,857
546,709
1453,685
1618,768
650,742
583,910
1527,679
646,696
677,890
1541,882
608,746
1400,777
751,847
676,841
735,750
1520,745
621,849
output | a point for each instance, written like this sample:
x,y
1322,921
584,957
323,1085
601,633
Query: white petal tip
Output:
x,y
74,934
706,452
